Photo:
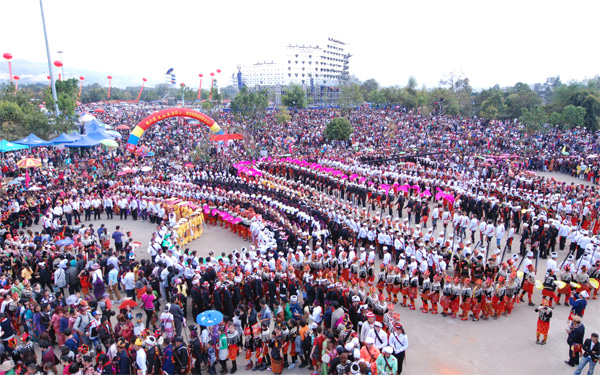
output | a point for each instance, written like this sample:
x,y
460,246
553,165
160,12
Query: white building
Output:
x,y
312,67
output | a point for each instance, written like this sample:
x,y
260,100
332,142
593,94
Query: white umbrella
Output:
x,y
86,118
146,168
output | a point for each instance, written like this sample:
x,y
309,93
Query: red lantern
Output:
x,y
200,87
212,81
182,84
144,80
48,77
81,78
58,64
218,70
109,78
8,57
17,78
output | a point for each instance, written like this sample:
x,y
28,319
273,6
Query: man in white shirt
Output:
x,y
67,209
129,284
499,232
378,335
133,207
367,326
140,358
96,205
87,204
399,343
108,207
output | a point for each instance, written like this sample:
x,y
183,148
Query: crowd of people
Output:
x,y
441,213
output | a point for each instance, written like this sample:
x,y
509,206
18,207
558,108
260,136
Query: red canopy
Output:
x,y
226,137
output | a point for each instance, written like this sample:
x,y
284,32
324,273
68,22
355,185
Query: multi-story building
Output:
x,y
318,69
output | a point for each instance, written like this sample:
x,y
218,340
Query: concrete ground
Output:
x,y
439,345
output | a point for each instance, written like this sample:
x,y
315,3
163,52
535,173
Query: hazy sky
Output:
x,y
490,41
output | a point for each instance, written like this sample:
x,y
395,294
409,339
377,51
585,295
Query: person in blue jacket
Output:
x,y
168,360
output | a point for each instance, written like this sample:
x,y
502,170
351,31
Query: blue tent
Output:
x,y
94,122
85,141
33,140
6,146
99,136
63,138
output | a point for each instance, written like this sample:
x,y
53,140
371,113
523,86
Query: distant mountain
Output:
x,y
37,72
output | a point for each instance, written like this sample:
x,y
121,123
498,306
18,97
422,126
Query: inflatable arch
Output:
x,y
139,130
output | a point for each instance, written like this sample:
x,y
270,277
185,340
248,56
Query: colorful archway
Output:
x,y
137,132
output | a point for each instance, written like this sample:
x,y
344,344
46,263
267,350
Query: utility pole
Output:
x,y
52,82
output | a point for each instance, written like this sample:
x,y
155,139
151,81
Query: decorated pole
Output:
x,y
200,87
109,78
16,78
81,79
182,94
142,89
7,56
212,80
58,64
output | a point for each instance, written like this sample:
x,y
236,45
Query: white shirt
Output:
x,y
380,342
399,342
140,360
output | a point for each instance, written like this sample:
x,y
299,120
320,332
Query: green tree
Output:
x,y
10,113
369,86
338,129
66,93
376,96
573,116
534,119
294,97
206,105
592,112
20,115
283,116
250,105
350,95
556,119
520,96
457,99
493,107
392,94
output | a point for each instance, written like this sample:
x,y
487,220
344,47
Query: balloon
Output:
x,y
7,56
140,128
81,78
58,63
218,70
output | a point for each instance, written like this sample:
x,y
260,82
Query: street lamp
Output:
x,y
62,67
